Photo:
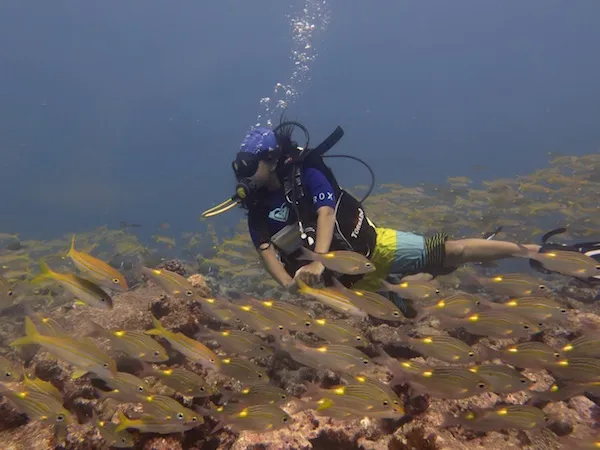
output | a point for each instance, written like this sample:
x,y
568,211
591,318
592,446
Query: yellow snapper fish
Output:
x,y
341,261
38,406
170,282
444,348
259,418
372,303
150,424
243,370
136,344
497,324
168,409
338,332
502,379
515,285
336,357
457,305
81,353
520,417
333,298
532,355
97,270
237,341
180,380
413,290
575,264
86,292
190,348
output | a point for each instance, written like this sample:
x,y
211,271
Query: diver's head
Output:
x,y
257,158
255,166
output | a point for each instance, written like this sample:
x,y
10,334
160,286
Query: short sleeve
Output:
x,y
258,229
319,188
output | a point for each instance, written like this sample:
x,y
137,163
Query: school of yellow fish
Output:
x,y
453,369
510,310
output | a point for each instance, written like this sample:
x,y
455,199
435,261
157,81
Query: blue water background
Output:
x,y
133,110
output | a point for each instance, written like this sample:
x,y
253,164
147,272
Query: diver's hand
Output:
x,y
310,273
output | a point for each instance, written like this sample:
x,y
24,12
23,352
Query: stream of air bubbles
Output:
x,y
306,25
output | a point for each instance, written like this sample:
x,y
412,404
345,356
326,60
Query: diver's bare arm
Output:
x,y
274,266
325,227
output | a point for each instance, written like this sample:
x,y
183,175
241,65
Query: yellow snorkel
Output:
x,y
228,204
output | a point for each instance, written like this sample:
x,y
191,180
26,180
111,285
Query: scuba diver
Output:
x,y
293,200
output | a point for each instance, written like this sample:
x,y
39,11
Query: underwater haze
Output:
x,y
133,111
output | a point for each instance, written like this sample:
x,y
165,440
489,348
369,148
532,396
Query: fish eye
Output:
x,y
597,267
526,327
524,380
8,374
563,310
10,293
262,348
202,388
285,419
260,375
358,338
365,362
141,388
541,286
437,291
189,293
60,418
386,403
471,354
105,364
123,441
283,396
211,360
156,353
368,264
481,385
194,419
102,299
477,302
180,416
115,280
162,297
396,313
556,355
307,324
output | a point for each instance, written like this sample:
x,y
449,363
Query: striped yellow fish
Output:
x,y
85,291
82,353
190,348
97,270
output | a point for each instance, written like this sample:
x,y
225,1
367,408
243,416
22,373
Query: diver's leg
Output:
x,y
480,250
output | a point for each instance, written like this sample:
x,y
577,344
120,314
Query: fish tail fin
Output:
x,y
158,329
307,255
124,422
31,335
45,273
